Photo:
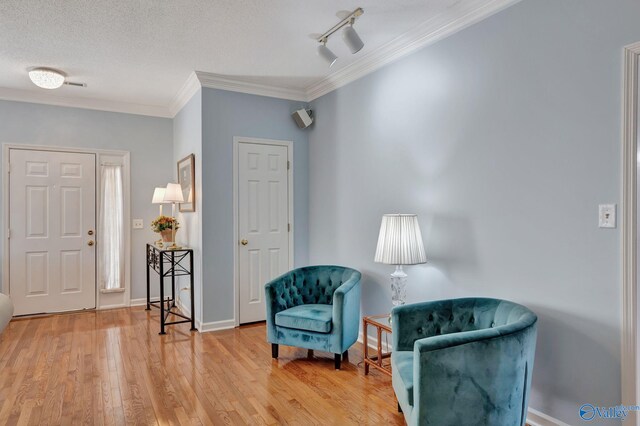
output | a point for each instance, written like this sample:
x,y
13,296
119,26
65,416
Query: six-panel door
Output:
x,y
263,223
52,209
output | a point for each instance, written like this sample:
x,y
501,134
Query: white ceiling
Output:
x,y
135,55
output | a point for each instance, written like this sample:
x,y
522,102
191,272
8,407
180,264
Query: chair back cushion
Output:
x,y
460,315
311,285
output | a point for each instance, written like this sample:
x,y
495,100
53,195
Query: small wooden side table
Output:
x,y
381,323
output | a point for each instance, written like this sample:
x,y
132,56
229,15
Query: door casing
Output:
x,y
237,140
104,299
630,329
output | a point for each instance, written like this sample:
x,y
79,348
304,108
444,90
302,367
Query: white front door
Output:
x,y
263,223
51,231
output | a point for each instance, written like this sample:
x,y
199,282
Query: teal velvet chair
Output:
x,y
315,307
463,361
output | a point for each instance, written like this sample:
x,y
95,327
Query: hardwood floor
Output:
x,y
112,367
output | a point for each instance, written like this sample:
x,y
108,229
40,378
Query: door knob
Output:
x,y
90,243
244,242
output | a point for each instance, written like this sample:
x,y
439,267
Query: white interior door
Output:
x,y
263,223
51,215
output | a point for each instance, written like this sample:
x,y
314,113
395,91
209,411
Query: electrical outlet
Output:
x,y
138,224
607,215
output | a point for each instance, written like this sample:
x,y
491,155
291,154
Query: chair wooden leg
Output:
x,y
337,358
274,350
399,408
345,355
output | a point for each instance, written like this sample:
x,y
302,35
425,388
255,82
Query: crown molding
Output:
x,y
18,95
429,32
186,92
423,35
216,81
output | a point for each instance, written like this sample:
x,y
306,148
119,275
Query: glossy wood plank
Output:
x,y
112,368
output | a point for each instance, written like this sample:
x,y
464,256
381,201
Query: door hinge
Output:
x,y
288,227
8,234
9,168
288,164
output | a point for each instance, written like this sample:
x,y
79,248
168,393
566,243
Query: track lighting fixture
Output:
x,y
349,35
327,54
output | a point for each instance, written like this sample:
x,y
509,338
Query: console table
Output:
x,y
170,263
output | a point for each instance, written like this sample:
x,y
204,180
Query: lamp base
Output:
x,y
398,286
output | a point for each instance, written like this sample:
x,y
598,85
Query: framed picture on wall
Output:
x,y
187,181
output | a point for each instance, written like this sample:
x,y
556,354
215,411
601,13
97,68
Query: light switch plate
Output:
x,y
607,215
138,224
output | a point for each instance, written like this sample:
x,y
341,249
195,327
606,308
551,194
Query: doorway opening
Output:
x,y
65,216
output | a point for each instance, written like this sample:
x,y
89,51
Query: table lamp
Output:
x,y
400,243
158,197
173,195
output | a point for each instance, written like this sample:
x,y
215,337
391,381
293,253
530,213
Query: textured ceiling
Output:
x,y
142,51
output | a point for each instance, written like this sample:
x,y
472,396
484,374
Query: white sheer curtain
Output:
x,y
111,228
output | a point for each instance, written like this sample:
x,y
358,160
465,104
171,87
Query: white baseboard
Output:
x,y
372,342
138,302
104,308
217,325
536,418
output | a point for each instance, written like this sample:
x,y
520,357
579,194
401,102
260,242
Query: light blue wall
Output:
x,y
148,139
225,115
503,138
187,139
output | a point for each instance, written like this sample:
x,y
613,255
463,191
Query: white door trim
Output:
x,y
102,299
237,140
629,341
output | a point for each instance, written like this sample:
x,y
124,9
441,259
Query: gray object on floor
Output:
x,y
6,311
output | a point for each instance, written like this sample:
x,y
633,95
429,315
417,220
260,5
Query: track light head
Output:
x,y
326,53
352,39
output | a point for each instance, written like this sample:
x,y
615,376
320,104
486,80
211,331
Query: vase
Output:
x,y
166,235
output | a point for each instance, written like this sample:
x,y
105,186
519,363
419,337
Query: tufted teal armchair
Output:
x,y
315,307
463,361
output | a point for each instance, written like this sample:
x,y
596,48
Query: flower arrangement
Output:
x,y
163,223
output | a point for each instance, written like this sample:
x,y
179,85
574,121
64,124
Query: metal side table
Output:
x,y
170,263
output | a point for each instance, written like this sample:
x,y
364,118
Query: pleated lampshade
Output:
x,y
400,240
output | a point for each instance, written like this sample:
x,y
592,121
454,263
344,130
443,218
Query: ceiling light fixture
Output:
x,y
349,35
47,78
